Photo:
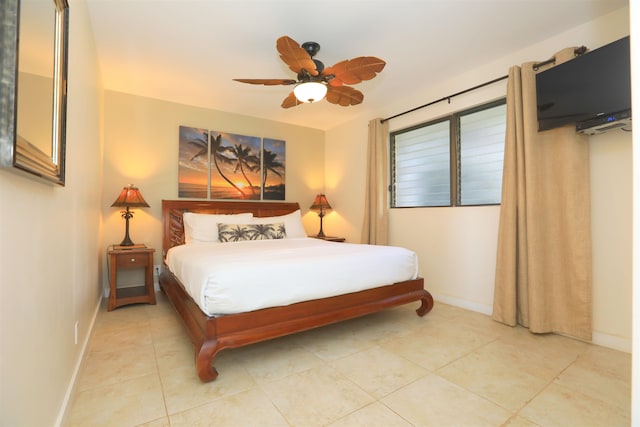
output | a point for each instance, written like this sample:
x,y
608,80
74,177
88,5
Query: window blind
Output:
x,y
481,156
422,158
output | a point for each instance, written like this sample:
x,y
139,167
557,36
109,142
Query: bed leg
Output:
x,y
204,361
427,304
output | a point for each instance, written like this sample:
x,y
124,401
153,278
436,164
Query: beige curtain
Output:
x,y
376,211
543,274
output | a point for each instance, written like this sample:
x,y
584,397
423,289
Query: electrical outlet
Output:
x,y
156,269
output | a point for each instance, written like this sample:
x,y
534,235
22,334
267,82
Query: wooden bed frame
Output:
x,y
209,335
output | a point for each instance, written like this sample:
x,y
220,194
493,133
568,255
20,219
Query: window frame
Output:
x,y
455,143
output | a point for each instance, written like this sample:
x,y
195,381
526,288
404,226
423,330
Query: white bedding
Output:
x,y
227,278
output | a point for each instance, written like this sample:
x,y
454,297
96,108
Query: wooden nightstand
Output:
x,y
138,257
330,238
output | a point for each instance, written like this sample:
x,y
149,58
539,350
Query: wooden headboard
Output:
x,y
172,210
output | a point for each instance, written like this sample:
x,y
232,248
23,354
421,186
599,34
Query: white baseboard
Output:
x,y
598,338
467,305
62,413
611,341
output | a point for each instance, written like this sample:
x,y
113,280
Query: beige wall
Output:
x,y
49,255
457,246
141,148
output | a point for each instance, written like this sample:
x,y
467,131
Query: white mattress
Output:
x,y
227,278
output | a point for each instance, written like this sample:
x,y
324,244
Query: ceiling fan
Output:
x,y
315,81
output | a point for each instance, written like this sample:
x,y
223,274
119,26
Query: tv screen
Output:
x,y
595,84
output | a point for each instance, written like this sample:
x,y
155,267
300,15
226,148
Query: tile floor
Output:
x,y
450,368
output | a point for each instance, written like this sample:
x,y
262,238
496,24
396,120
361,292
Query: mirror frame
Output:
x,y
17,153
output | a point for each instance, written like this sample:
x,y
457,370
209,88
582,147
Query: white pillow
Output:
x,y
202,228
292,223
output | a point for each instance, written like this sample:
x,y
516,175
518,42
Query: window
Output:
x,y
453,161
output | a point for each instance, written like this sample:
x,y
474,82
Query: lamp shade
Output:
x,y
310,91
320,204
130,197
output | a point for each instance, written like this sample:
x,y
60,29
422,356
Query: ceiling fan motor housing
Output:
x,y
311,47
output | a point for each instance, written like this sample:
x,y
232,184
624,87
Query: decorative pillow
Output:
x,y
292,223
240,232
202,228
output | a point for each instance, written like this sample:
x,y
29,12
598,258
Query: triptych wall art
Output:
x,y
219,165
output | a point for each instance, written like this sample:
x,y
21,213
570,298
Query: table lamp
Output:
x,y
129,197
322,206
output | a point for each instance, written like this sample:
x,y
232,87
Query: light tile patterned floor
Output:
x,y
450,368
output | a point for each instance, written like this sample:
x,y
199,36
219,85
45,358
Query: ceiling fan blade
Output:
x,y
290,101
352,71
267,82
344,95
295,56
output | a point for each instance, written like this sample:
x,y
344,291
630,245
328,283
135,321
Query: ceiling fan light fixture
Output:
x,y
310,91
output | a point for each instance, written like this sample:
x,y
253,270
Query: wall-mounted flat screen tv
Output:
x,y
593,88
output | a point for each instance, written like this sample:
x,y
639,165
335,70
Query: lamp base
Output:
x,y
126,214
321,233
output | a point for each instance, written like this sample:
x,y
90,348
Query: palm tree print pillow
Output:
x,y
240,232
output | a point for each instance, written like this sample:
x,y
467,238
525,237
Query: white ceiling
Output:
x,y
188,51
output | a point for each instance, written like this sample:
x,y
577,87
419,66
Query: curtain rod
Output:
x,y
446,98
577,52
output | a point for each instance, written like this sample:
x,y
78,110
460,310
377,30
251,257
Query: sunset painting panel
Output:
x,y
273,169
193,162
235,166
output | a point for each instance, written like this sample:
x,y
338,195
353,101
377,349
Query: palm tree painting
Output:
x,y
193,162
273,169
235,172
219,165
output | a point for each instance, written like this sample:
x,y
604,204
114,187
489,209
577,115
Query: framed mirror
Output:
x,y
33,86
